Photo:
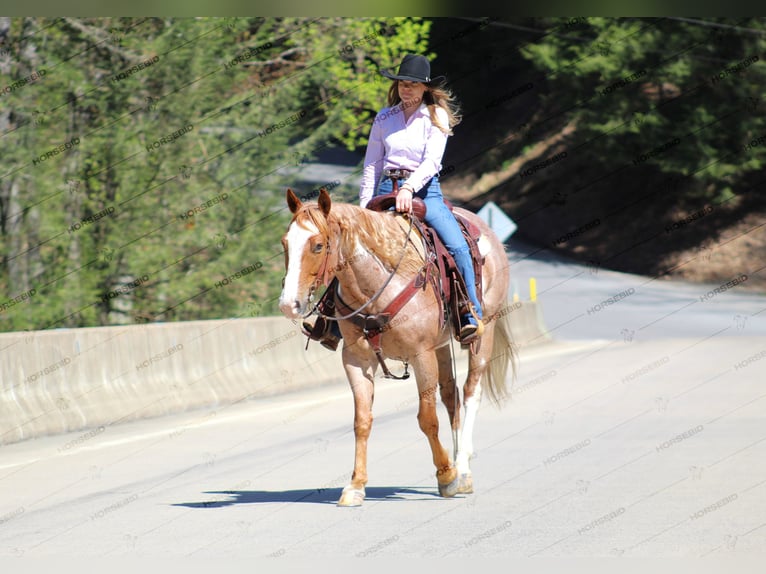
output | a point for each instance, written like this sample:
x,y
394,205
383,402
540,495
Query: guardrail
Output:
x,y
72,379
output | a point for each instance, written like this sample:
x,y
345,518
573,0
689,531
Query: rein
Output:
x,y
377,294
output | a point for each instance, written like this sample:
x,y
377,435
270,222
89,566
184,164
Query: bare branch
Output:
x,y
281,60
103,39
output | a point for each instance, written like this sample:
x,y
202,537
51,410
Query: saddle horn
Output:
x,y
387,201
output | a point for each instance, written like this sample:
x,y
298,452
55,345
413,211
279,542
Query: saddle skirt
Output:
x,y
448,283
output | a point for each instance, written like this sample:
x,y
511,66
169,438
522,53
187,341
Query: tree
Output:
x,y
146,158
680,95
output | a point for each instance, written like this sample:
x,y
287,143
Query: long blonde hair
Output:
x,y
433,96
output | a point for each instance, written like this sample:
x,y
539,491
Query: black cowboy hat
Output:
x,y
414,68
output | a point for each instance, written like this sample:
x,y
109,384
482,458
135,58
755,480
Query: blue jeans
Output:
x,y
446,226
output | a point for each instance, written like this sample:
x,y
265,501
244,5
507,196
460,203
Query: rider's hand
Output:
x,y
404,200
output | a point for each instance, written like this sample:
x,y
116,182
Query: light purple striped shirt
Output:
x,y
416,145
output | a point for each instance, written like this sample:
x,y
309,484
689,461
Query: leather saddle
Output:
x,y
448,282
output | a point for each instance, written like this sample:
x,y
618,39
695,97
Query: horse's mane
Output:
x,y
382,234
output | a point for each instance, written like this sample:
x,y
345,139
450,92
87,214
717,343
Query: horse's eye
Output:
x,y
318,248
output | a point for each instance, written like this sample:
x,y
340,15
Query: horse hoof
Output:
x,y
451,489
466,483
351,497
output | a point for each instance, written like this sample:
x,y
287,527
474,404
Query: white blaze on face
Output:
x,y
297,237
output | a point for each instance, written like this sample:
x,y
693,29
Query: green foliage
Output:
x,y
681,95
170,205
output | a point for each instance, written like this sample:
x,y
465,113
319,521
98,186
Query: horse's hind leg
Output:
x,y
472,390
426,372
448,392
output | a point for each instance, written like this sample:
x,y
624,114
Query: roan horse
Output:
x,y
364,249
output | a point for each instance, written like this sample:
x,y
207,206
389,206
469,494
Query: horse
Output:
x,y
374,256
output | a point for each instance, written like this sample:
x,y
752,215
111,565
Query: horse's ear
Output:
x,y
292,201
325,203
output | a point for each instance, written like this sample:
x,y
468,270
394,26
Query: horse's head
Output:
x,y
311,254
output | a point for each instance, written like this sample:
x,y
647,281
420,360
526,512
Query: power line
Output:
x,y
716,24
500,24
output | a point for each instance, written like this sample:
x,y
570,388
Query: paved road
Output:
x,y
639,432
587,302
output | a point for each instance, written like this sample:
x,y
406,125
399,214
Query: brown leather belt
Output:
x,y
397,173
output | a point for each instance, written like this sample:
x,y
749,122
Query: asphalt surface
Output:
x,y
639,432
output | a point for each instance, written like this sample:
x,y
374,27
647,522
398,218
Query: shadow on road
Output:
x,y
223,498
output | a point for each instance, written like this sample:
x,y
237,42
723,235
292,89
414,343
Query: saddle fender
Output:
x,y
452,288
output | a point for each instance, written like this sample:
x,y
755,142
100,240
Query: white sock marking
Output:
x,y
465,446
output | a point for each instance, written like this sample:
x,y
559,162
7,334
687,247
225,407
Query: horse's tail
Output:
x,y
503,354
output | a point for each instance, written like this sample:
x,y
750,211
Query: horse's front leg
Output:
x,y
360,371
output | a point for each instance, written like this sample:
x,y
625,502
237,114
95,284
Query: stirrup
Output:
x,y
330,341
469,331
318,330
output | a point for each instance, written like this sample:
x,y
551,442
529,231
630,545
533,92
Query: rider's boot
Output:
x,y
324,330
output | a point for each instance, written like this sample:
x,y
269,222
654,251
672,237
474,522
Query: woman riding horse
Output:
x,y
404,154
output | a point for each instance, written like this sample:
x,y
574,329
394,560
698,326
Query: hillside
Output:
x,y
632,220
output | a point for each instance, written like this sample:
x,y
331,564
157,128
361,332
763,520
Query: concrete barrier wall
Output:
x,y
71,379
